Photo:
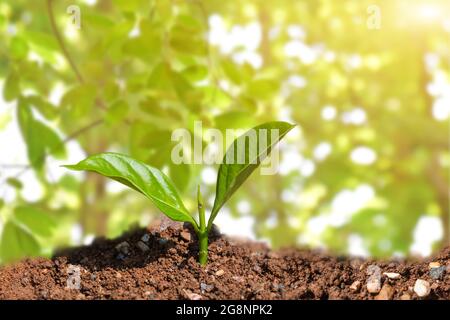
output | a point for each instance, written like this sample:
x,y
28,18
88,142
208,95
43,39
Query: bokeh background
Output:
x,y
366,172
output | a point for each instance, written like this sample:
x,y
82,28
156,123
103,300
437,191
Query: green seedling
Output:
x,y
241,159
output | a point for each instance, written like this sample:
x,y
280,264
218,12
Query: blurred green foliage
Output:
x,y
138,69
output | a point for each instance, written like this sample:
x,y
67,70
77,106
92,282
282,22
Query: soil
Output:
x,y
166,268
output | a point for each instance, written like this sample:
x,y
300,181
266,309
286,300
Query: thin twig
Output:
x,y
209,55
61,43
12,166
72,136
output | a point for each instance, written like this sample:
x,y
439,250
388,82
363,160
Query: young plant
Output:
x,y
256,144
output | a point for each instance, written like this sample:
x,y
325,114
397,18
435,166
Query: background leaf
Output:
x,y
40,139
38,221
16,243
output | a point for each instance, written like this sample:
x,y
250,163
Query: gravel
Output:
x,y
374,281
437,273
422,288
386,293
220,273
185,235
355,286
123,247
141,245
392,275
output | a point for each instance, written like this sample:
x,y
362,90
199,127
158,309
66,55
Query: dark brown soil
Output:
x,y
236,270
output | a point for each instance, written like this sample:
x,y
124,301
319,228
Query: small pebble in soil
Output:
x,y
123,247
145,238
434,264
43,294
392,275
386,293
405,296
220,273
80,296
437,273
257,268
185,235
374,280
166,223
422,288
278,287
206,287
355,286
191,296
141,245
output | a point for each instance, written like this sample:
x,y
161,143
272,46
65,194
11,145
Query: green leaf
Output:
x,y
48,110
18,48
160,77
195,73
97,21
44,44
15,183
237,74
52,141
5,119
185,36
40,139
147,45
180,174
262,88
232,175
79,100
17,243
129,5
234,120
145,143
117,112
11,89
70,183
38,221
143,178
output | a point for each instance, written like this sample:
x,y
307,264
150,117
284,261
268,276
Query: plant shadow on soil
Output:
x,y
139,251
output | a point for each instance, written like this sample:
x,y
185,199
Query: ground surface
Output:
x,y
166,268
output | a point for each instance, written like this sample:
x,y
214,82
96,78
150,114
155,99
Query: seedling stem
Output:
x,y
202,232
